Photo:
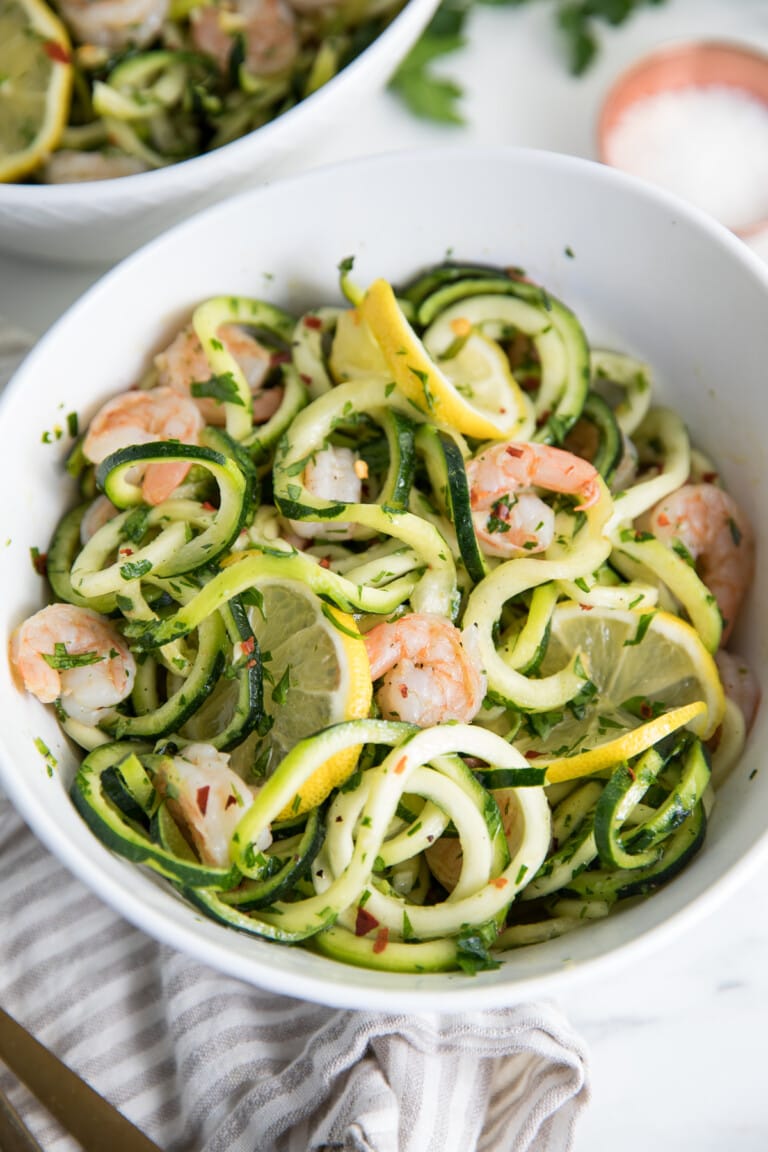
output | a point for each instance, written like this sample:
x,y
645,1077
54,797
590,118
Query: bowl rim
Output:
x,y
200,170
684,63
404,992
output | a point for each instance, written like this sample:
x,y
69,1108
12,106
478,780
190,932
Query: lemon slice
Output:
x,y
35,85
317,674
652,674
473,392
354,352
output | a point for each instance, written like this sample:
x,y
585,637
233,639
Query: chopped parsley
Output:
x,y
135,569
222,388
61,660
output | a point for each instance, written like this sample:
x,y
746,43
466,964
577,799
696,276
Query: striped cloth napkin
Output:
x,y
205,1063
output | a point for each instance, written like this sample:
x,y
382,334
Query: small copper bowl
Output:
x,y
695,64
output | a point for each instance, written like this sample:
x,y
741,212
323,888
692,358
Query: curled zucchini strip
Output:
x,y
115,794
262,439
501,306
174,550
679,576
570,558
632,376
525,649
573,830
666,433
444,454
308,356
435,588
246,570
386,785
208,319
62,553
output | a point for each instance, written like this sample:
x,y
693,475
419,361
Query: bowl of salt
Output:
x,y
693,118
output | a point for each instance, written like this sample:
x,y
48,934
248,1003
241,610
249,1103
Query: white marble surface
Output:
x,y
676,1040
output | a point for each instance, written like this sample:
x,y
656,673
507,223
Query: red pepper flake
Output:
x,y
381,941
532,754
40,563
279,358
230,801
646,710
631,771
401,765
710,477
56,51
313,322
663,519
305,379
513,450
202,798
499,882
586,607
325,562
208,506
125,552
364,923
248,645
404,691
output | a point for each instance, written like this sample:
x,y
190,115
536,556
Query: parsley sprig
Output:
x,y
437,97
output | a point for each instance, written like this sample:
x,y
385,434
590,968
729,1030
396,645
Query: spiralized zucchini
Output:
x,y
272,780
157,82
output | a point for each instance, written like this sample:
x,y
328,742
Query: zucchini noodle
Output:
x,y
158,82
351,679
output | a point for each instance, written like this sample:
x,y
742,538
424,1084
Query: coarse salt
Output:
x,y
707,144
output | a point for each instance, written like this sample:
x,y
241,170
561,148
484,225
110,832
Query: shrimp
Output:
x,y
184,363
142,418
267,28
114,24
72,167
428,670
508,518
714,530
208,798
739,684
333,474
98,513
90,667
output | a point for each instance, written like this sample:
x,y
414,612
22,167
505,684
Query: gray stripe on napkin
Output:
x,y
205,1063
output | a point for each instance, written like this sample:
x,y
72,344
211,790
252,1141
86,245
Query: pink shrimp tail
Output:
x,y
161,479
382,648
556,470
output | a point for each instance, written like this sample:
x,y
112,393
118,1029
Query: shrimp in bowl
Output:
x,y
139,417
428,670
75,656
509,516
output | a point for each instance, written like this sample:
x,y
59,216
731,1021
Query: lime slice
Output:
x,y
473,392
652,674
35,85
316,674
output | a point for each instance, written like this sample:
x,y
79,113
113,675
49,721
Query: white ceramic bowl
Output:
x,y
102,221
643,272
